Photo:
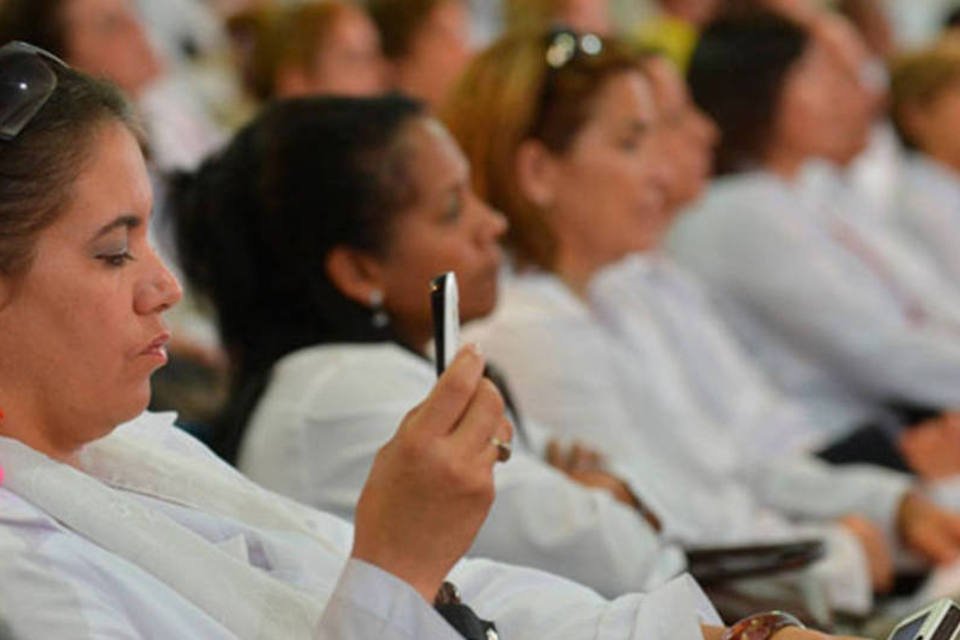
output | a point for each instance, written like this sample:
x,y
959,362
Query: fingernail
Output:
x,y
473,346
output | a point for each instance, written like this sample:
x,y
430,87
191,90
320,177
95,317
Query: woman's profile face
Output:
x,y
816,97
447,229
81,330
610,188
687,136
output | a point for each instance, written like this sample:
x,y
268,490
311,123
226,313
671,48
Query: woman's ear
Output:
x,y
536,173
356,274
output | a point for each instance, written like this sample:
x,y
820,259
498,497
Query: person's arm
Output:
x,y
804,486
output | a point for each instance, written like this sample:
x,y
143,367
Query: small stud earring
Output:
x,y
380,319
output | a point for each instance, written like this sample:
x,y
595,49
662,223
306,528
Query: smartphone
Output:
x,y
445,305
938,621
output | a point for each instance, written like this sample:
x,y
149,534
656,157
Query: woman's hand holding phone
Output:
x,y
431,485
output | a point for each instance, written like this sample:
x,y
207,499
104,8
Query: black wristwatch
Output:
x,y
461,617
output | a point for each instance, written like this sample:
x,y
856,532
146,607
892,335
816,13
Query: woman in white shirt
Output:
x,y
828,308
924,90
323,299
577,176
138,530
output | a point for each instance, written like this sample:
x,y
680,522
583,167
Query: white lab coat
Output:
x,y
152,537
328,409
648,299
573,374
844,316
929,210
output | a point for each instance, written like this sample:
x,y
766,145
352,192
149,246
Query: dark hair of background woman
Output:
x,y
736,76
256,222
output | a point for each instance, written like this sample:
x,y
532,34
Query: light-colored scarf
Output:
x,y
93,501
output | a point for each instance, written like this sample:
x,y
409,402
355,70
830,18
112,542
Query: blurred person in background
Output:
x,y
107,38
926,110
873,23
426,43
733,388
322,47
836,313
564,139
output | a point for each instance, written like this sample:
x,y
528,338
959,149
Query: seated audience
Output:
x,y
320,387
826,305
426,43
584,176
325,47
728,383
118,525
925,92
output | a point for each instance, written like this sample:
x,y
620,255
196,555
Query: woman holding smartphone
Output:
x,y
331,235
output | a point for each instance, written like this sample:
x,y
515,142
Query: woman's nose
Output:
x,y
496,221
159,289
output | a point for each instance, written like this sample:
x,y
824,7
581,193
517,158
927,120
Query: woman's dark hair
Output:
x,y
737,75
399,22
39,166
39,22
256,222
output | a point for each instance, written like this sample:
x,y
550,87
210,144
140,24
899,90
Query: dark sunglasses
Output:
x,y
26,83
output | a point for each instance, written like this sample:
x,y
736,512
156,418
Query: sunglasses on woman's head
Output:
x,y
563,45
26,83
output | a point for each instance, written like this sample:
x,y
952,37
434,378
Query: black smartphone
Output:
x,y
445,305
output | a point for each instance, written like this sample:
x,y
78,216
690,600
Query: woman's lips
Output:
x,y
157,347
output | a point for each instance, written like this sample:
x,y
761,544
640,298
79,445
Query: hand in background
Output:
x,y
928,529
875,548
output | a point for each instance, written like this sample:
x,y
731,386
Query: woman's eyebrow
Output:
x,y
128,221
